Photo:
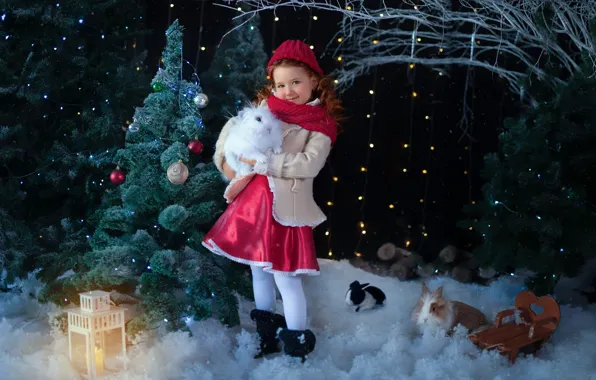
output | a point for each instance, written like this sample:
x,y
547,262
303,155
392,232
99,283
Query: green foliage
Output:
x,y
236,72
70,73
16,248
538,210
148,239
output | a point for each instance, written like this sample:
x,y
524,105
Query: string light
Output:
x,y
370,117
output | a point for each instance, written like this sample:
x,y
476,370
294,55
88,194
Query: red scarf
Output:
x,y
311,118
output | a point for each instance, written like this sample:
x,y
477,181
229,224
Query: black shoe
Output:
x,y
267,325
297,343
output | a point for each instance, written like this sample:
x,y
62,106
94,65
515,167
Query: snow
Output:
x,y
381,343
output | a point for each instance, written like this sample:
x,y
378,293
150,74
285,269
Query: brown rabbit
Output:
x,y
434,310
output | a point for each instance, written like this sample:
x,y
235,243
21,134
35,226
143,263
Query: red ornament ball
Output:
x,y
117,176
195,146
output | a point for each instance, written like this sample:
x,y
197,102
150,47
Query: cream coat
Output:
x,y
290,174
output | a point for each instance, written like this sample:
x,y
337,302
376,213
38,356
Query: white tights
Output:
x,y
292,295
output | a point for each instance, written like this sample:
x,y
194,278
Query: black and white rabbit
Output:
x,y
364,296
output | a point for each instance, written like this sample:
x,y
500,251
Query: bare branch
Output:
x,y
434,33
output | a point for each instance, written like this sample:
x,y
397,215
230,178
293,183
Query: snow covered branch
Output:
x,y
511,38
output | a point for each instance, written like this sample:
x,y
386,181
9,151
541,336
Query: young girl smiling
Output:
x,y
271,213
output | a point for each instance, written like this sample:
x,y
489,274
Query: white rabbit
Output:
x,y
255,132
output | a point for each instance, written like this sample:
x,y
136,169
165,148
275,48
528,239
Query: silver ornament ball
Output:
x,y
201,100
134,127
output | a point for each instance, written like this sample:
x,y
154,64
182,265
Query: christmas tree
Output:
x,y
69,76
236,72
148,241
538,210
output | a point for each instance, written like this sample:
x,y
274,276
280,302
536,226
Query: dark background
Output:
x,y
453,167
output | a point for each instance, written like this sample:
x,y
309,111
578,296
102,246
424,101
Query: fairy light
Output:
x,y
370,116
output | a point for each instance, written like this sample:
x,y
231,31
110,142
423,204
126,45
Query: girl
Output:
x,y
268,223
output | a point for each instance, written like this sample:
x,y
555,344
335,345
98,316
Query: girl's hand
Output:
x,y
246,160
228,171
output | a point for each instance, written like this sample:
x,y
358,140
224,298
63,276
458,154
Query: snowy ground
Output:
x,y
377,344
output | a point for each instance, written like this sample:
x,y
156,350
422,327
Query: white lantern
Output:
x,y
93,319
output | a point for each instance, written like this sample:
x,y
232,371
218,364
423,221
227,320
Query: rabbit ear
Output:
x,y
439,292
242,113
425,288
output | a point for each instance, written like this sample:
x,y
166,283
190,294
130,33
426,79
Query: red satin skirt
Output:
x,y
248,233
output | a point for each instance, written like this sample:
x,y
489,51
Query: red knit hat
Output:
x,y
298,51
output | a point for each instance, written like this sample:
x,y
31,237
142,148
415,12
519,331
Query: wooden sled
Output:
x,y
526,332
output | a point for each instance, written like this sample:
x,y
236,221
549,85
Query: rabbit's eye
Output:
x,y
258,118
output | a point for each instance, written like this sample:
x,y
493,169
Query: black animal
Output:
x,y
364,297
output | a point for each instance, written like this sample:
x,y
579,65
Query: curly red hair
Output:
x,y
325,90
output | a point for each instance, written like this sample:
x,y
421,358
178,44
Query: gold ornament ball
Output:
x,y
178,173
